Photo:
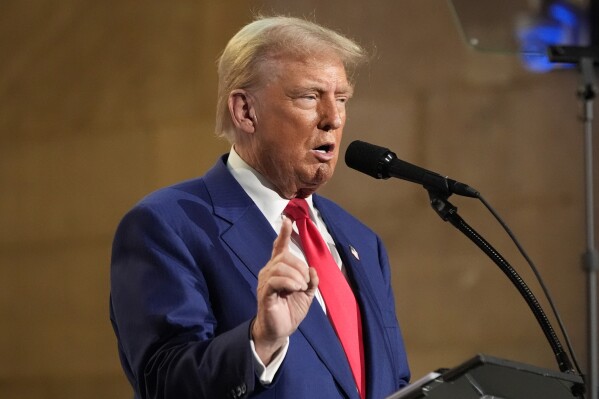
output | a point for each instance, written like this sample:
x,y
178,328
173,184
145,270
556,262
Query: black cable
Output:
x,y
540,281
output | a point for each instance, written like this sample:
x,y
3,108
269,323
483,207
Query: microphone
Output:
x,y
382,163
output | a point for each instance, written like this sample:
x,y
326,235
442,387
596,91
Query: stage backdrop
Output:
x,y
102,102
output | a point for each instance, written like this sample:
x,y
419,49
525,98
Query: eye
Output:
x,y
306,101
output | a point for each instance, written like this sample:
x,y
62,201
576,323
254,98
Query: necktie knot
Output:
x,y
297,209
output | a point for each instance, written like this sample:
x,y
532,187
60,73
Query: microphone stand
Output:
x,y
448,212
586,57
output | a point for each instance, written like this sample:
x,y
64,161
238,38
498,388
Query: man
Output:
x,y
206,300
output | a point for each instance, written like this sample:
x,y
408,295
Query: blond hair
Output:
x,y
239,66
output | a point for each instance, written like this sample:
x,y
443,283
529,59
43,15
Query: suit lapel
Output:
x,y
374,331
249,234
318,331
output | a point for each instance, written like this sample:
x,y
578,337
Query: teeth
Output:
x,y
323,149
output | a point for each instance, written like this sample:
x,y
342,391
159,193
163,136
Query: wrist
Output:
x,y
266,347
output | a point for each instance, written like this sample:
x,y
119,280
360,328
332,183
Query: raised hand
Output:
x,y
286,288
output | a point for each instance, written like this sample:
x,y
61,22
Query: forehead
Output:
x,y
322,69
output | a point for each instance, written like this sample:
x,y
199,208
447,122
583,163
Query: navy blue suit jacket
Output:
x,y
183,293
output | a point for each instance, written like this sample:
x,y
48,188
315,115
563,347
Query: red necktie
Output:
x,y
342,308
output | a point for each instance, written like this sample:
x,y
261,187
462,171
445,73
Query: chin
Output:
x,y
316,183
323,173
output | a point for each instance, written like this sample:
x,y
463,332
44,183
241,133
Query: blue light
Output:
x,y
561,26
564,14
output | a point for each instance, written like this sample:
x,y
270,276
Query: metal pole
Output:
x,y
591,261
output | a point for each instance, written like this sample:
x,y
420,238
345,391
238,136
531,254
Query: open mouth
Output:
x,y
324,152
325,148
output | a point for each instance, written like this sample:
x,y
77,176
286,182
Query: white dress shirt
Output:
x,y
271,205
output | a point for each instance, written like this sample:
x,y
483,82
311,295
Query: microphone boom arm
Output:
x,y
448,212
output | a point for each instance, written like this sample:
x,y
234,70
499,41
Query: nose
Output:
x,y
331,115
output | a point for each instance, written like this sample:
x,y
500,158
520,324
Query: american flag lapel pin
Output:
x,y
354,252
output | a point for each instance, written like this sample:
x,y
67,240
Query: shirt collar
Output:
x,y
260,190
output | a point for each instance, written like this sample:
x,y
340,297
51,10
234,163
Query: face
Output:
x,y
298,118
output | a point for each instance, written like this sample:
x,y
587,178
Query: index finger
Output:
x,y
281,244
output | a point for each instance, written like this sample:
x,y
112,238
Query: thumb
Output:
x,y
281,243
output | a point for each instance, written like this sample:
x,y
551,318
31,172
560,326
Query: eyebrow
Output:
x,y
348,90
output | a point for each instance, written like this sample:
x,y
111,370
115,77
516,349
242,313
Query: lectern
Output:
x,y
487,377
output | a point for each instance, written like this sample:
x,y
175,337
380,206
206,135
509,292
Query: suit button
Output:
x,y
239,391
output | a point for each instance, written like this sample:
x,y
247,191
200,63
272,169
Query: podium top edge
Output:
x,y
483,359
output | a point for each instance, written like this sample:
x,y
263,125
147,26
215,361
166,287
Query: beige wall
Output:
x,y
103,101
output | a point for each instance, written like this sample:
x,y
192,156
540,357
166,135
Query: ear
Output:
x,y
242,111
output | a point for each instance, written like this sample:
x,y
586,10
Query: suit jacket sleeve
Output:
x,y
162,315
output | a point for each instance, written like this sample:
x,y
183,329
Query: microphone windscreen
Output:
x,y
366,158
